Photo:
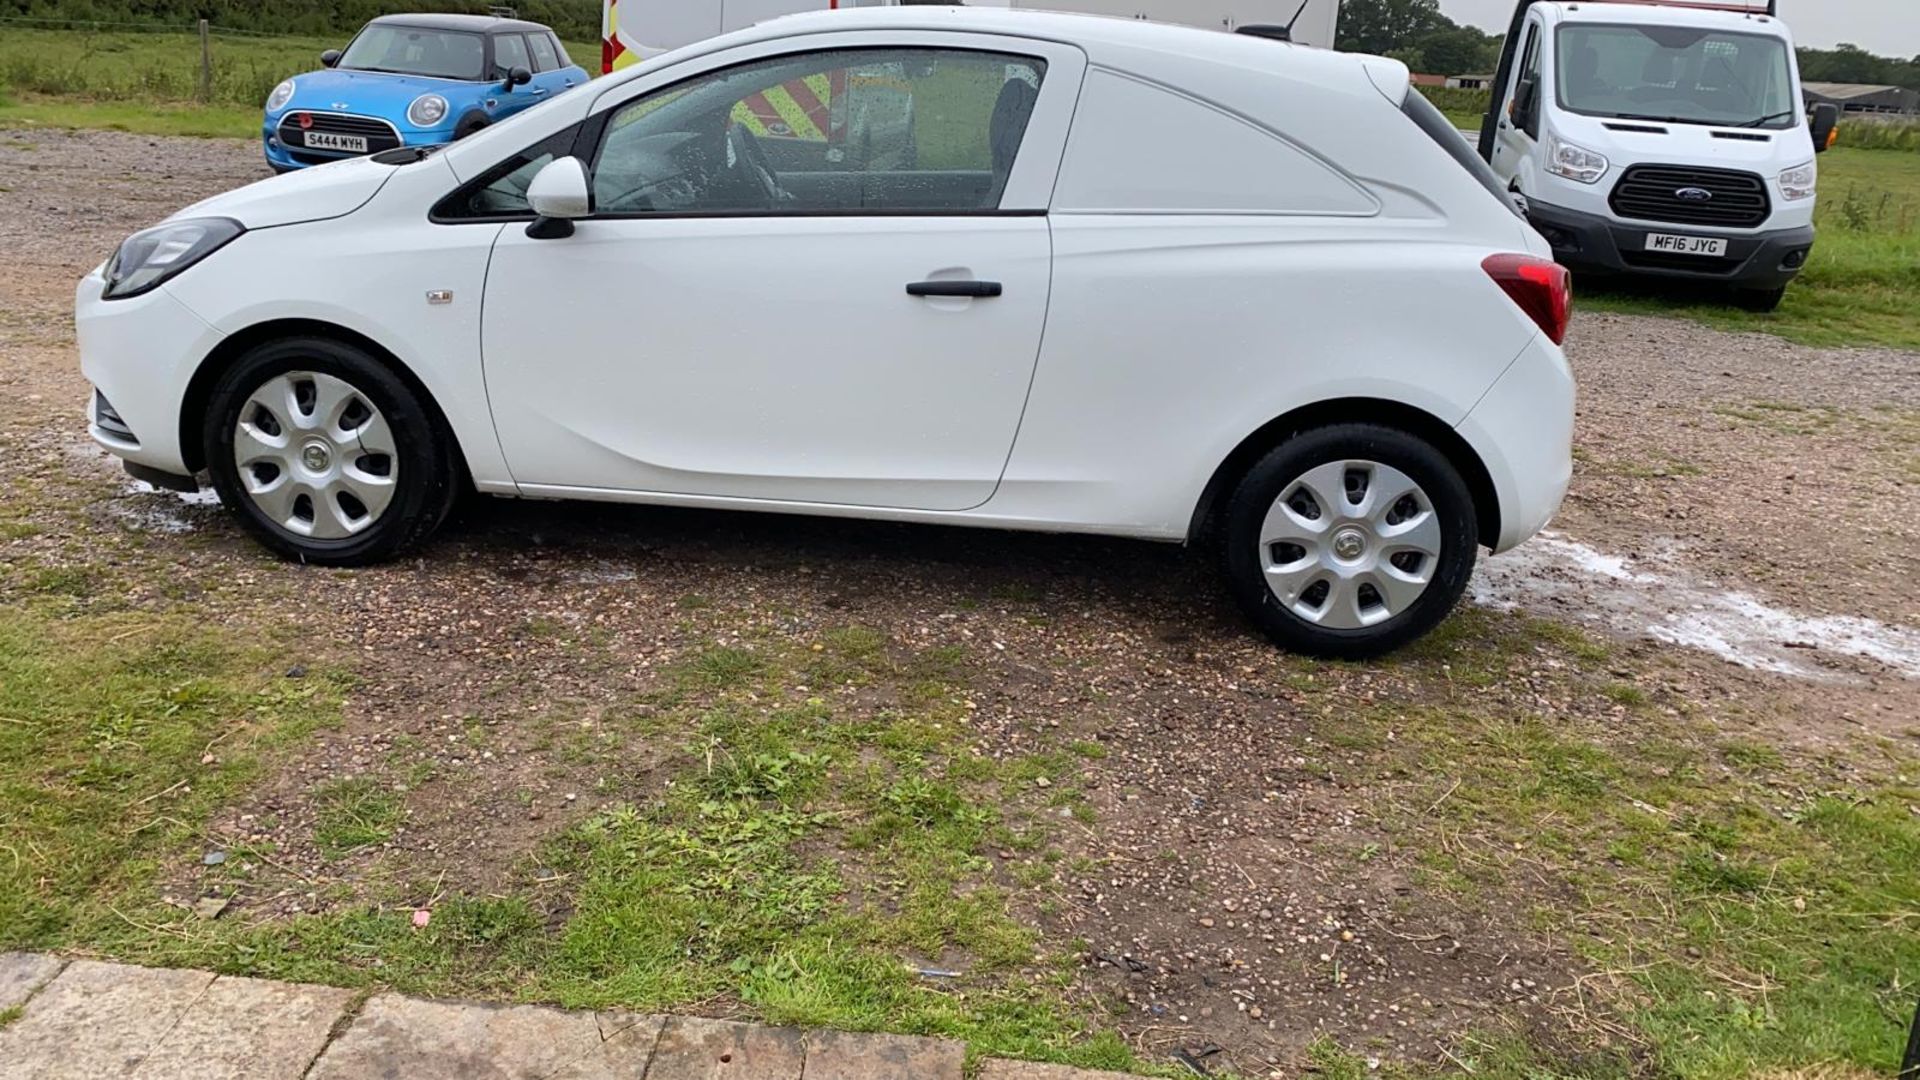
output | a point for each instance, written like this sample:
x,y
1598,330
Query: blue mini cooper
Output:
x,y
414,80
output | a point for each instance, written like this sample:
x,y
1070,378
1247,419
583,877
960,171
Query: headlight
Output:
x,y
1576,163
280,96
427,110
1798,182
151,256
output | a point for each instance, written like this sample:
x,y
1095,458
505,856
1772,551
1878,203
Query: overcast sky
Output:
x,y
1887,27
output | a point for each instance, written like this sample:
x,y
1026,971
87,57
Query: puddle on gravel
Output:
x,y
1554,575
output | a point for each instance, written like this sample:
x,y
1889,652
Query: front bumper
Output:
x,y
1583,241
285,158
139,353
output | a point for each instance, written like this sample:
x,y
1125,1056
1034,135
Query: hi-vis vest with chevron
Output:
x,y
799,109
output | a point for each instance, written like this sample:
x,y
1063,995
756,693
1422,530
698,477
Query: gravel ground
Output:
x,y
1229,880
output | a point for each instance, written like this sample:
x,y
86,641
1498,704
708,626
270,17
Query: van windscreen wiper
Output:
x,y
1765,120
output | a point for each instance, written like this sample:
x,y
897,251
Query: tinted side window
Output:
x,y
846,131
509,52
544,58
560,50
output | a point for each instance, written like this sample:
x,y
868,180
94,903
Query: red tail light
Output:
x,y
1542,288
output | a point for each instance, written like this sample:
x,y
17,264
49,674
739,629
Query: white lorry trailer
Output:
x,y
1661,139
633,30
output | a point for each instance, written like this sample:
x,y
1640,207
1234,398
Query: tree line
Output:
x,y
1416,33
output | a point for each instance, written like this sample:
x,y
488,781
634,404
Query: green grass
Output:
x,y
805,862
119,732
1741,924
354,814
216,121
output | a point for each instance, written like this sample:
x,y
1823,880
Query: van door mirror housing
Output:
x,y
518,76
558,195
330,58
1824,125
1526,106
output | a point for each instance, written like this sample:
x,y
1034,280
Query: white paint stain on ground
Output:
x,y
155,509
1555,575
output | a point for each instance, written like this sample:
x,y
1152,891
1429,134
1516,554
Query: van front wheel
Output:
x,y
1760,299
1350,541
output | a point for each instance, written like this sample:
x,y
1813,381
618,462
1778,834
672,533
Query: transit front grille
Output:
x,y
1722,197
379,134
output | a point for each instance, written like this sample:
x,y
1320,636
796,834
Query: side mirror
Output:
x,y
517,77
330,58
1825,126
558,195
1526,106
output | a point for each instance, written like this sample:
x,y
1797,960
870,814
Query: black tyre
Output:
x,y
325,455
1760,299
468,124
1350,541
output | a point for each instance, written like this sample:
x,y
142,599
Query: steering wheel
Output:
x,y
746,155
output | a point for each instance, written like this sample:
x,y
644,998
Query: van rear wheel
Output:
x,y
1350,541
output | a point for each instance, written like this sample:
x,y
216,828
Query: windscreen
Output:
x,y
1676,74
409,50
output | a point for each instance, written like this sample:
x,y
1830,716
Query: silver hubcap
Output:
x,y
1350,544
315,455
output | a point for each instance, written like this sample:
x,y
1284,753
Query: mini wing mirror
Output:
x,y
1825,126
558,195
330,58
518,76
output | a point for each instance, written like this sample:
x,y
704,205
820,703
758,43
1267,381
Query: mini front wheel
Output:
x,y
326,455
1350,541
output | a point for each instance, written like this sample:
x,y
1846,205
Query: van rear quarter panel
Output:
x,y
1171,337
1170,340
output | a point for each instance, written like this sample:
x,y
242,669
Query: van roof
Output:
x,y
1642,13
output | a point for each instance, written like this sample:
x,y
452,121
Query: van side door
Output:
x,y
1521,102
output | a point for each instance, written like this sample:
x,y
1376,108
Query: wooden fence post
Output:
x,y
206,65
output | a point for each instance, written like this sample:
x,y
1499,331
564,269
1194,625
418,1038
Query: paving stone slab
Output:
x,y
23,973
841,1055
96,1020
1027,1070
248,1029
694,1049
396,1038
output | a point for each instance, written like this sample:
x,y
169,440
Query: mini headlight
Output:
x,y
1798,182
280,96
427,110
151,256
1576,163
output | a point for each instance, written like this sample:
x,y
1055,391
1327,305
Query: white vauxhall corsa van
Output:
x,y
1302,320
1664,139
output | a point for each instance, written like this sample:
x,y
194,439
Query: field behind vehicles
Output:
x,y
161,69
